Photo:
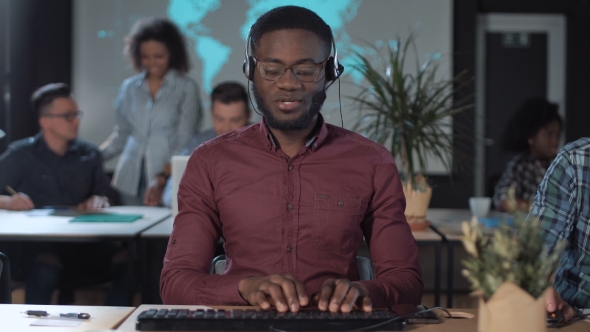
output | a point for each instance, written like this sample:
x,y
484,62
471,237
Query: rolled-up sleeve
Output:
x,y
185,277
394,253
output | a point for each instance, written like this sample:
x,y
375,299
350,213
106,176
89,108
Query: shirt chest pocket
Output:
x,y
337,223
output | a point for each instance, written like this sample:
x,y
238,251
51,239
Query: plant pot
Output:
x,y
511,309
416,206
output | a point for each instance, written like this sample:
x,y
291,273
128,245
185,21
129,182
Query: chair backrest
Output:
x,y
364,264
5,290
217,265
366,271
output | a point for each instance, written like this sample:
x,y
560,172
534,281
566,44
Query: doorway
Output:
x,y
518,56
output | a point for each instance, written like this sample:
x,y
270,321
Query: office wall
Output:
x,y
35,47
216,32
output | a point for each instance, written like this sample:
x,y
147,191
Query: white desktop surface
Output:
x,y
164,229
438,216
448,325
129,324
19,225
101,318
160,230
448,221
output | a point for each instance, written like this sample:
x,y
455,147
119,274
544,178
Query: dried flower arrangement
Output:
x,y
514,254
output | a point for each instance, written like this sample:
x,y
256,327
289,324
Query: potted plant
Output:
x,y
510,273
409,111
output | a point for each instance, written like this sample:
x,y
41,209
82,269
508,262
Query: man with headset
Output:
x,y
292,196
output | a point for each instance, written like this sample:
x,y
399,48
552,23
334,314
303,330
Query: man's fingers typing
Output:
x,y
350,299
261,299
367,304
325,294
340,292
301,295
285,292
276,293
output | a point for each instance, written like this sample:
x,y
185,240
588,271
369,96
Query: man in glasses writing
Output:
x,y
55,168
292,196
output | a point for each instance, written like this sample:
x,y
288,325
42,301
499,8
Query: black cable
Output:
x,y
370,327
340,103
403,317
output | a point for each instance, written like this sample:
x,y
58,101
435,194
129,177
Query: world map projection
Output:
x,y
213,54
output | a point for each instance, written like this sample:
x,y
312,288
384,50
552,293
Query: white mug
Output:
x,y
480,206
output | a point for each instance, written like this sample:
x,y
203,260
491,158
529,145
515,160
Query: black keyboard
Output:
x,y
260,320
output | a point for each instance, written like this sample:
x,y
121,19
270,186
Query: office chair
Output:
x,y
5,290
364,264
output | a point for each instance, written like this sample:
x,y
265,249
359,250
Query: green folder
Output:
x,y
107,217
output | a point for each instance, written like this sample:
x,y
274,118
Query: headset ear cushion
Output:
x,y
248,67
330,70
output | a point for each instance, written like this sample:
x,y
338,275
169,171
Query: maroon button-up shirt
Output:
x,y
304,215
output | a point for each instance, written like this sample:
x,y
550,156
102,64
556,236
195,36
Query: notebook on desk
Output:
x,y
178,167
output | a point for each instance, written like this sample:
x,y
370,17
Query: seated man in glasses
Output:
x,y
55,168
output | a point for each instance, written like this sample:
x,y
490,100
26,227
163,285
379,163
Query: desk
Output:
x,y
448,325
447,222
18,226
430,237
153,244
101,318
161,230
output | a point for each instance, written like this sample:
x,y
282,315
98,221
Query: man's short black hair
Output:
x,y
291,17
46,94
534,114
230,92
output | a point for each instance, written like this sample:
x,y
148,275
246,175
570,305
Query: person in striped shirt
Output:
x,y
157,111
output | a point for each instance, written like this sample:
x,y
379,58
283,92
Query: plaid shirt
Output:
x,y
523,173
563,206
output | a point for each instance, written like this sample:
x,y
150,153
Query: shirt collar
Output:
x,y
42,146
171,75
314,142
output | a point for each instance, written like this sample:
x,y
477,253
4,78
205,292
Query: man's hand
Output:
x,y
343,295
18,202
153,193
283,291
94,203
554,302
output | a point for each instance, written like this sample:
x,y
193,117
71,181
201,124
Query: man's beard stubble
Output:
x,y
301,123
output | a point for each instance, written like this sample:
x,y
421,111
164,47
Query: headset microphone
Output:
x,y
318,97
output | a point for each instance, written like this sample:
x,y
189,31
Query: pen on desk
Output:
x,y
10,190
43,313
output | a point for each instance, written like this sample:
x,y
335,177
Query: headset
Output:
x,y
333,68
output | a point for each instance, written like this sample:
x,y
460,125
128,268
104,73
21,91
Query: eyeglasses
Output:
x,y
71,116
305,72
